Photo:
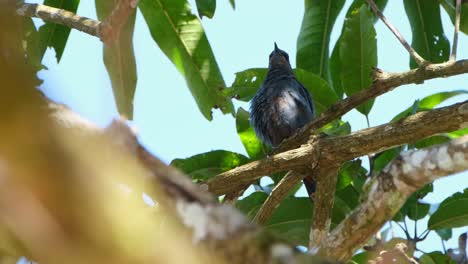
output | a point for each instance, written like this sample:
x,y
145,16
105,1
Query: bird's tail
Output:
x,y
310,185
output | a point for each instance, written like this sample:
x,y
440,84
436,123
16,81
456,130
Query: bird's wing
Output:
x,y
300,94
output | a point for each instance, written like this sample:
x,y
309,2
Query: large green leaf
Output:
x,y
55,35
322,94
292,219
119,59
428,35
252,144
314,37
449,6
435,257
246,84
428,103
203,166
413,208
358,51
335,60
206,8
30,44
453,212
181,37
358,3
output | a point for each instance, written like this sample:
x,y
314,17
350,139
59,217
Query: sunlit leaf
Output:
x,y
203,166
435,257
358,51
314,37
452,212
252,144
55,35
119,58
206,8
181,37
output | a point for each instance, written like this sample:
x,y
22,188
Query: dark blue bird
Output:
x,y
281,105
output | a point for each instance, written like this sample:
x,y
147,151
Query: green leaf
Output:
x,y
335,70
252,144
458,133
233,4
55,35
435,257
444,233
246,84
314,37
350,171
453,212
336,128
31,44
428,103
292,219
119,59
449,6
251,204
206,8
181,37
322,94
358,51
427,142
335,62
203,166
413,208
382,159
428,35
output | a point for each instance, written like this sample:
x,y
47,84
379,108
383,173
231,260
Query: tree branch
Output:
x,y
277,195
107,30
419,60
324,199
335,150
388,191
383,82
60,16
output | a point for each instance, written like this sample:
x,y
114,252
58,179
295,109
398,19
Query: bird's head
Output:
x,y
279,59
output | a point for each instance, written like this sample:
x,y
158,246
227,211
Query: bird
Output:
x,y
281,105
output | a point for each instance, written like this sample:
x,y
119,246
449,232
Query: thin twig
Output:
x,y
419,60
278,193
453,56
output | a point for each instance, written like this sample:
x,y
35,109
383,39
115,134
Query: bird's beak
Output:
x,y
276,47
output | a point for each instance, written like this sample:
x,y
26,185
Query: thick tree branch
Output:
x,y
388,191
339,149
419,60
383,82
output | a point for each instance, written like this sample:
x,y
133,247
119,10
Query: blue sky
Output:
x,y
166,116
